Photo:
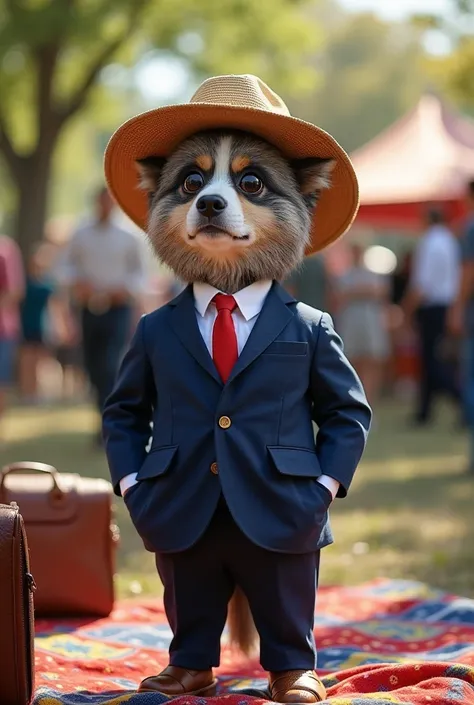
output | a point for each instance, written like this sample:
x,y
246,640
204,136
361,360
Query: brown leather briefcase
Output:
x,y
71,535
16,611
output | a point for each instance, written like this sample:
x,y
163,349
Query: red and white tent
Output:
x,y
424,158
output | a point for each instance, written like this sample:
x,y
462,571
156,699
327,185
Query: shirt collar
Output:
x,y
249,300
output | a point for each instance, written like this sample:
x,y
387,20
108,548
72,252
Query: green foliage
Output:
x,y
70,42
461,73
269,37
53,53
372,73
455,72
465,7
353,74
425,21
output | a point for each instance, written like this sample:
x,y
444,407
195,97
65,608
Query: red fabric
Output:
x,y
406,217
382,643
224,338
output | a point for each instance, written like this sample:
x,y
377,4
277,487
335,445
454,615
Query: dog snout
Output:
x,y
211,205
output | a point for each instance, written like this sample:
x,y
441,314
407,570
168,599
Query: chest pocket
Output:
x,y
287,348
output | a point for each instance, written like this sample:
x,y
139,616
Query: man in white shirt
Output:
x,y
433,289
104,266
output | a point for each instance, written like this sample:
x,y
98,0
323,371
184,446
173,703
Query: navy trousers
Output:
x,y
104,339
199,582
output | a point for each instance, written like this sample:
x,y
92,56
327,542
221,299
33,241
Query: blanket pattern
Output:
x,y
382,643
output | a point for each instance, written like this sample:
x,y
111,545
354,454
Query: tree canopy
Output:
x,y
454,72
371,74
53,52
68,77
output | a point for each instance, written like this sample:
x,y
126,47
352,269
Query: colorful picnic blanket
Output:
x,y
381,643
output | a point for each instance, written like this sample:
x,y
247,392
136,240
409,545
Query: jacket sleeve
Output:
x,y
340,408
127,416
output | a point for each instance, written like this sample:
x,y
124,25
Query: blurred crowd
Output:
x,y
412,330
67,313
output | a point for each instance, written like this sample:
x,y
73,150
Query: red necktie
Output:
x,y
224,339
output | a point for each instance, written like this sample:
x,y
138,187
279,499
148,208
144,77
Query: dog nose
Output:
x,y
211,205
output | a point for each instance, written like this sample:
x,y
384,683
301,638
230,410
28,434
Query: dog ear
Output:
x,y
149,173
313,174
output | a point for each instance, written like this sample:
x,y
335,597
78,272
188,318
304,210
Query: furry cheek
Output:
x,y
259,219
168,221
191,222
177,219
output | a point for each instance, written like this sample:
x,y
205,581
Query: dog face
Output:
x,y
228,209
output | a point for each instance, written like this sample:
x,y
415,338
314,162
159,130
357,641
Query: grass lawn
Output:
x,y
410,513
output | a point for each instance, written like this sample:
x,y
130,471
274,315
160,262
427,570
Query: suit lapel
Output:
x,y
274,316
185,325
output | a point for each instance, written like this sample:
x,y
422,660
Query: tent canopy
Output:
x,y
425,157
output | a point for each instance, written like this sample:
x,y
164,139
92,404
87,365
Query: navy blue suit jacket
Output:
x,y
291,372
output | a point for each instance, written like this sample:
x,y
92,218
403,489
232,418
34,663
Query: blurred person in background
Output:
x,y
12,289
362,307
63,327
461,318
310,283
104,266
433,288
400,279
65,339
403,339
34,310
170,287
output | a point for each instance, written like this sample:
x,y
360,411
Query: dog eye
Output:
x,y
193,183
250,183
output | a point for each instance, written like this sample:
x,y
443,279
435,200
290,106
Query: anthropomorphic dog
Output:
x,y
234,491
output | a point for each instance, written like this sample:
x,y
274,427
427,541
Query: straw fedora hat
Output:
x,y
239,102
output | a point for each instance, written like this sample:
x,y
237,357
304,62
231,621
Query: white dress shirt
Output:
x,y
249,304
436,267
107,256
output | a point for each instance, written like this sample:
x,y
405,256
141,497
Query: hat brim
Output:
x,y
158,132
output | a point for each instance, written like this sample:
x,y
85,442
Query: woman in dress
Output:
x,y
363,298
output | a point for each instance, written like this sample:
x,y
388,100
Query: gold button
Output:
x,y
214,469
224,422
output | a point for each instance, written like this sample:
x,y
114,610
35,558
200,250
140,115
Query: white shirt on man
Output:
x,y
106,256
436,267
249,304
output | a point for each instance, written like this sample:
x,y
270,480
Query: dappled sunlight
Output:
x,y
31,423
406,467
408,513
127,127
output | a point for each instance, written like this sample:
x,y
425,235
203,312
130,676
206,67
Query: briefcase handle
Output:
x,y
26,467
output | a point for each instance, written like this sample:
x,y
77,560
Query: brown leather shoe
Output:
x,y
296,687
174,681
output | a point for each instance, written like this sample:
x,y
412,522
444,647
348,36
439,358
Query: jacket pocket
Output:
x,y
287,347
157,462
298,462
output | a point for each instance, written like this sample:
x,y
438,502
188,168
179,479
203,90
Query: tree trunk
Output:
x,y
33,184
32,173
